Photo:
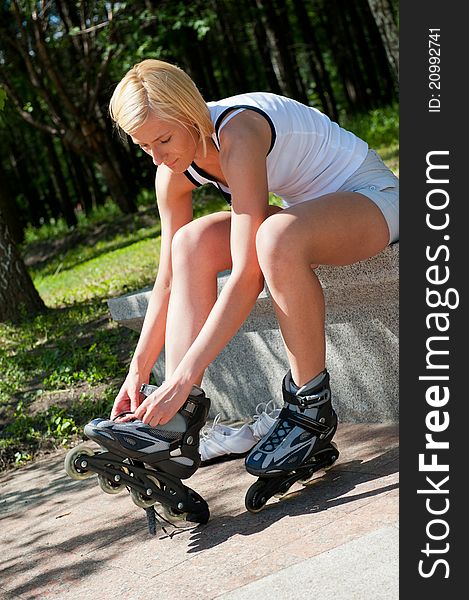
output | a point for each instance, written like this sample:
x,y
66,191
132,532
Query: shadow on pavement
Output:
x,y
322,493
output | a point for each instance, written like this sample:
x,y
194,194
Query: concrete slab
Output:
x,y
349,572
65,539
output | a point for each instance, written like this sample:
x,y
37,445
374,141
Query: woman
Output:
x,y
340,207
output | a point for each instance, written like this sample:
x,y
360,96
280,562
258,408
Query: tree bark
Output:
x,y
10,211
385,20
65,202
18,296
279,41
80,182
316,61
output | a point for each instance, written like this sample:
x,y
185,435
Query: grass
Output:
x,y
380,128
62,368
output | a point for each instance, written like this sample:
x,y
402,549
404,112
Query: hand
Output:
x,y
161,406
129,397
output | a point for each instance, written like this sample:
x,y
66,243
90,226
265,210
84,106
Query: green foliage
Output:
x,y
57,351
49,429
56,228
106,274
91,364
379,127
52,423
3,96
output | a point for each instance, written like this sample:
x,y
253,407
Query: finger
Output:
x,y
126,418
149,418
140,411
135,402
116,409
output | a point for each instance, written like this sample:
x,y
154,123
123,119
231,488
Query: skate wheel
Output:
x,y
110,487
140,500
255,498
73,471
203,512
172,514
201,516
306,480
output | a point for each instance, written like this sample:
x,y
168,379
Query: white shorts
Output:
x,y
376,181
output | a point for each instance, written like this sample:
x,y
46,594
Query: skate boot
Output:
x,y
149,461
297,445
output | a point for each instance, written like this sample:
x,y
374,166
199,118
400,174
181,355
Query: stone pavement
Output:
x,y
335,538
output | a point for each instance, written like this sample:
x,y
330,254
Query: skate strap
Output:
x,y
146,389
304,422
316,399
189,405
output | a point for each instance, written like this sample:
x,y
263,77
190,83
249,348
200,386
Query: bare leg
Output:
x,y
200,251
336,229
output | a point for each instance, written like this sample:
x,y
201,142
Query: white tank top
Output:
x,y
309,156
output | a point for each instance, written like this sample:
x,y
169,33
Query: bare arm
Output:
x,y
242,159
174,197
245,142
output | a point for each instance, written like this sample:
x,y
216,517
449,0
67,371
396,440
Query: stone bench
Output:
x,y
362,329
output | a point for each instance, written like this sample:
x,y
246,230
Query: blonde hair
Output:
x,y
164,90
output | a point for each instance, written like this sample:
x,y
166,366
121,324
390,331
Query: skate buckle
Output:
x,y
190,406
321,397
147,389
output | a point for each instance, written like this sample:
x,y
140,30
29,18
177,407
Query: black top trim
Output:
x,y
192,179
201,172
248,107
226,195
205,175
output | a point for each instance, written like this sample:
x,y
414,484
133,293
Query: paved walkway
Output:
x,y
335,538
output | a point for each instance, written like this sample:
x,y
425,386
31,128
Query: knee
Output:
x,y
186,246
273,245
202,247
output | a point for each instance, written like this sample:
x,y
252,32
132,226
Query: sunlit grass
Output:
x,y
109,274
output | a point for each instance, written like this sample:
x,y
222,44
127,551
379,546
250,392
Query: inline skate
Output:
x,y
297,445
149,461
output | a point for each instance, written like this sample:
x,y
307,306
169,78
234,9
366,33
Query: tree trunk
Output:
x,y
65,202
351,58
316,62
10,211
94,142
232,58
388,81
384,16
84,196
278,37
266,57
18,296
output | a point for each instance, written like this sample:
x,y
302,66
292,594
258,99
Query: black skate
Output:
x,y
149,461
297,446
